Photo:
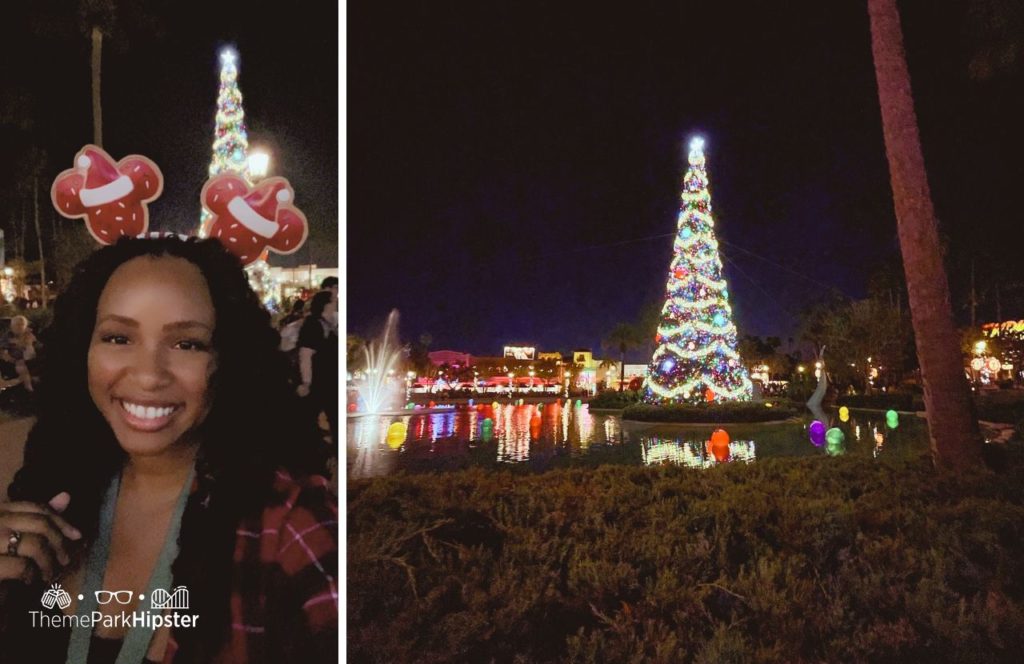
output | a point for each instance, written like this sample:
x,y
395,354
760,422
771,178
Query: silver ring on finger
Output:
x,y
13,541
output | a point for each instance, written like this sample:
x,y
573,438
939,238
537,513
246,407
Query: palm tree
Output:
x,y
952,421
623,337
96,17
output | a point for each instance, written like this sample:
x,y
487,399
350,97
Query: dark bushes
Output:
x,y
904,401
824,559
736,411
612,399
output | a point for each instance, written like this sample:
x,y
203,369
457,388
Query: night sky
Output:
x,y
160,79
514,168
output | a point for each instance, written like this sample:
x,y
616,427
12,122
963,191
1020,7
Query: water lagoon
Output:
x,y
536,439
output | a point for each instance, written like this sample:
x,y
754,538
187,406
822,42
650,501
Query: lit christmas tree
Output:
x,y
696,358
231,142
231,155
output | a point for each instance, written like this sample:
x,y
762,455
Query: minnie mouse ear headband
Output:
x,y
113,199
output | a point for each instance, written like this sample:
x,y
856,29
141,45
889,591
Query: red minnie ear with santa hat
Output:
x,y
250,219
112,197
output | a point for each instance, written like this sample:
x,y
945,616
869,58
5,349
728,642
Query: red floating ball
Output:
x,y
352,407
721,453
719,438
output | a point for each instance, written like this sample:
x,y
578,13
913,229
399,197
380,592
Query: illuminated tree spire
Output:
x,y
696,357
231,142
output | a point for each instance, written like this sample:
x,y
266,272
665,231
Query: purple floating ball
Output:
x,y
817,431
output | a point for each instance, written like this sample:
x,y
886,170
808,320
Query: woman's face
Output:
x,y
19,324
151,354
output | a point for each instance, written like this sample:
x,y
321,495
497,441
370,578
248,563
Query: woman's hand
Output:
x,y
33,539
302,390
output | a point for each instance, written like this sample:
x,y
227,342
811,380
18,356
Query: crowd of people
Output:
x,y
310,339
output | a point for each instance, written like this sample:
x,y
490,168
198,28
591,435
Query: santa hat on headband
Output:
x,y
249,220
112,197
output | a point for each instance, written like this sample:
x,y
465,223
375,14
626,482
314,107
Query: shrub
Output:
x,y
799,391
734,411
1001,412
612,399
884,401
820,559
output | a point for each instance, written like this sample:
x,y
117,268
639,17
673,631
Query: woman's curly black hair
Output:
x,y
255,425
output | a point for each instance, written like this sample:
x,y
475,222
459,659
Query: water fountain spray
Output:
x,y
379,390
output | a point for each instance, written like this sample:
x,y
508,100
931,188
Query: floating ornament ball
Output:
x,y
892,419
494,405
396,434
720,452
431,404
579,403
719,437
835,449
835,436
352,408
817,433
844,414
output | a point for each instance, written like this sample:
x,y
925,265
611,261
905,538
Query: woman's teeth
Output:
x,y
147,412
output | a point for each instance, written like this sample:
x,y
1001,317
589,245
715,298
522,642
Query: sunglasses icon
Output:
x,y
107,596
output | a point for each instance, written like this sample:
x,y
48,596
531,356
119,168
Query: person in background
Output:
x,y
18,347
298,312
330,285
318,360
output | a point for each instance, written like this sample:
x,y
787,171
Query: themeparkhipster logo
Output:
x,y
163,611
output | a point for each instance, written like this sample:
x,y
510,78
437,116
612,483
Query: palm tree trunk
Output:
x,y
97,111
952,423
622,368
39,239
22,232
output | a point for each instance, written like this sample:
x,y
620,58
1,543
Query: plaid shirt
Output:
x,y
284,598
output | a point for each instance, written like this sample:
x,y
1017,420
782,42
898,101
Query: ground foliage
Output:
x,y
903,401
613,400
730,411
822,559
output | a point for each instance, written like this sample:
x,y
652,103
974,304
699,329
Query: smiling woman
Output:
x,y
169,453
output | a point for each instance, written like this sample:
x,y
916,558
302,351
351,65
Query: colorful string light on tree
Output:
x,y
696,359
231,141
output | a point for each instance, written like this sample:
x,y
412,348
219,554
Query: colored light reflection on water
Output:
x,y
557,436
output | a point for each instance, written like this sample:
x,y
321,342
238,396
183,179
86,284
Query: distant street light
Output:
x,y
259,164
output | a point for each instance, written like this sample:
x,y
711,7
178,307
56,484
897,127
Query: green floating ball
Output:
x,y
835,436
579,403
892,419
835,450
